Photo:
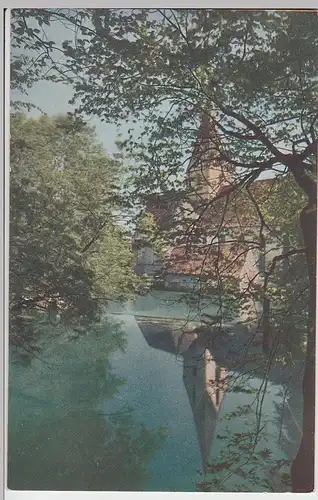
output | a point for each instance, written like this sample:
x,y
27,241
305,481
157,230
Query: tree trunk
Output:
x,y
266,325
302,470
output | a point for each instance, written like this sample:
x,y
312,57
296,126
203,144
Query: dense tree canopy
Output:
x,y
164,67
68,252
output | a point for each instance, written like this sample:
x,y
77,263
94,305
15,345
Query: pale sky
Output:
x,y
52,98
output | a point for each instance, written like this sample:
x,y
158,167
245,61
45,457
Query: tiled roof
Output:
x,y
198,260
191,217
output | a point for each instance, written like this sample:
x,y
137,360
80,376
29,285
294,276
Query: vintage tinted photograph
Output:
x,y
162,277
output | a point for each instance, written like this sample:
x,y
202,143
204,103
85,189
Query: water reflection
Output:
x,y
90,416
205,382
58,437
204,379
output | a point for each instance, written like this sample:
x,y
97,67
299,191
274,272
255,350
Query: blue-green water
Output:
x,y
88,415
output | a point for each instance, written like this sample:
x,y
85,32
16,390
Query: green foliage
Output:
x,y
149,234
288,287
245,462
165,66
68,252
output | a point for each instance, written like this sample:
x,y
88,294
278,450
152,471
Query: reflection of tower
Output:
x,y
205,381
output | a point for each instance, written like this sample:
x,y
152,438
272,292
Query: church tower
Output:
x,y
206,173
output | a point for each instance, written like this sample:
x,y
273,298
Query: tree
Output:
x,y
287,283
68,253
254,73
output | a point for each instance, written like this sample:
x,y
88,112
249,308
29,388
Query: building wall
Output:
x,y
147,262
184,281
255,264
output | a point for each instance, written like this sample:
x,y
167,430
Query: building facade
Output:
x,y
213,229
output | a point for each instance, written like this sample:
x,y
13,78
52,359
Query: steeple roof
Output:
x,y
207,173
207,142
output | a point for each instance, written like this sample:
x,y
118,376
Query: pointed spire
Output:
x,y
204,172
207,142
